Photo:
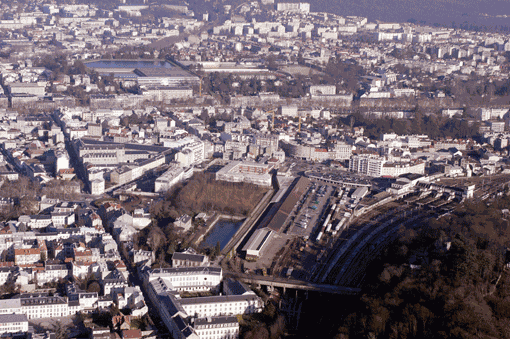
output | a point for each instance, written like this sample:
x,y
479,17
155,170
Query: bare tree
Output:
x,y
61,332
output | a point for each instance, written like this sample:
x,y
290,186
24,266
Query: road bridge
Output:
x,y
293,284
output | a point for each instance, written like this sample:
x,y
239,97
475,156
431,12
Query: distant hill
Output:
x,y
430,11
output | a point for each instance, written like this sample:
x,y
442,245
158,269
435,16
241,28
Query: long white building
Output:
x,y
303,7
43,306
200,317
377,166
221,327
207,312
13,324
491,113
250,172
188,279
339,151
395,169
171,177
222,305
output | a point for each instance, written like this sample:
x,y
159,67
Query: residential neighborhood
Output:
x,y
169,170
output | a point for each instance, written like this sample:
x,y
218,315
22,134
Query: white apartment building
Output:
x,y
497,126
52,273
396,169
10,306
195,154
41,306
214,316
97,186
202,317
250,172
451,112
370,165
60,219
491,113
171,177
38,89
222,305
202,278
173,316
132,298
143,256
13,324
79,269
114,282
6,273
76,133
36,221
400,92
100,153
323,90
303,7
24,256
290,111
221,327
266,141
159,93
341,151
61,161
86,300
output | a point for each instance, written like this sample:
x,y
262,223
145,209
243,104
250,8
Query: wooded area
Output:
x,y
433,125
446,280
26,194
203,193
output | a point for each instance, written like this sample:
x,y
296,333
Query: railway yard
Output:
x,y
336,229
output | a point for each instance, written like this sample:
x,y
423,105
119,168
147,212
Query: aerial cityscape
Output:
x,y
262,170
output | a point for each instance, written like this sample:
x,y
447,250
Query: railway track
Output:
x,y
352,275
369,238
354,253
347,260
343,246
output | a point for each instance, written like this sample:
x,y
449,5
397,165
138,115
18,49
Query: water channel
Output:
x,y
222,231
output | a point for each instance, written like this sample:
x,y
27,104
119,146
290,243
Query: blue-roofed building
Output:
x,y
145,72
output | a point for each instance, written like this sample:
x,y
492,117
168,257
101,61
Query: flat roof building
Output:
x,y
275,219
145,72
250,172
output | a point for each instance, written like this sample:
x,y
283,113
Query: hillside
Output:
x,y
430,11
447,280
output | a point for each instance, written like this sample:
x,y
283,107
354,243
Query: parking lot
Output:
x,y
298,249
310,210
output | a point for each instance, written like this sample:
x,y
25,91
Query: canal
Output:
x,y
222,231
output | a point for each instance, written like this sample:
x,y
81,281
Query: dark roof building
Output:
x,y
275,219
183,259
